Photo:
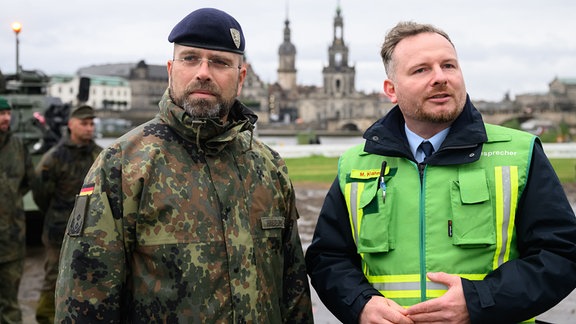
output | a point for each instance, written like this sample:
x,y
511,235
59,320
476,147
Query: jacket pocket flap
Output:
x,y
370,191
473,186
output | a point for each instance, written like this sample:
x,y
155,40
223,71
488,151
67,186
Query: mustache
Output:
x,y
202,86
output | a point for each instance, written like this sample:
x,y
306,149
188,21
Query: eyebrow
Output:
x,y
209,55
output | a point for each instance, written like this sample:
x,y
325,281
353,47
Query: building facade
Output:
x,y
336,105
106,93
147,82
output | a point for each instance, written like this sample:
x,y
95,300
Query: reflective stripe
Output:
x,y
408,286
347,193
352,202
506,183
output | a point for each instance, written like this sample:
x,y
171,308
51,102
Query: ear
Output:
x,y
169,68
241,78
390,90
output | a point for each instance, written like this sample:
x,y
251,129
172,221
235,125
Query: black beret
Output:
x,y
211,29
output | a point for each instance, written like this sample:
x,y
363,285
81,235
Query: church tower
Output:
x,y
287,61
338,76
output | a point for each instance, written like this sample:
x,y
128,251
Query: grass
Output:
x,y
320,169
317,169
565,169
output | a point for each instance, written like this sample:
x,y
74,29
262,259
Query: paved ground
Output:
x,y
310,197
31,283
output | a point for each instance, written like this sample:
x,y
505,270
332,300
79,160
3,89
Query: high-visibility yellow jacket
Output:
x,y
457,219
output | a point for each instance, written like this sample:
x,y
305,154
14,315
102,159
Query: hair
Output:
x,y
399,32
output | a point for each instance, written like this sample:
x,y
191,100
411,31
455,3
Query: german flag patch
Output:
x,y
87,189
76,224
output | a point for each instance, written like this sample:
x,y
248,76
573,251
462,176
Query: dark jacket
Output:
x,y
544,274
16,178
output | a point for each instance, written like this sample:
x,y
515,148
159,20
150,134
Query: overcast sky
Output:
x,y
515,46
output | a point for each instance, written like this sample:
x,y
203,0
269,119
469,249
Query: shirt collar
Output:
x,y
414,140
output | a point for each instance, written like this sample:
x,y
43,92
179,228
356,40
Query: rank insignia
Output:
x,y
76,223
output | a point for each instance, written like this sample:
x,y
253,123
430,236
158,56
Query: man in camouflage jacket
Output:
x,y
16,177
188,218
60,173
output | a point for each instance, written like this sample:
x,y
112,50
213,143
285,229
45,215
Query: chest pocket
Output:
x,y
473,223
370,216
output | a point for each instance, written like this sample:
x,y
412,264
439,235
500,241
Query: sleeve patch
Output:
x,y
76,223
87,189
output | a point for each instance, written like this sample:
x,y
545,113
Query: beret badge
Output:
x,y
235,37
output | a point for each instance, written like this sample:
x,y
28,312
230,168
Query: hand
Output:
x,y
383,310
449,308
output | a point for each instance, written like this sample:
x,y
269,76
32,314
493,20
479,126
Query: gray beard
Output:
x,y
203,109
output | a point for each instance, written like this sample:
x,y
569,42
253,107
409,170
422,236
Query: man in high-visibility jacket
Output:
x,y
439,217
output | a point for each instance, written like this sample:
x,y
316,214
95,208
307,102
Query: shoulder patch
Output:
x,y
76,223
87,189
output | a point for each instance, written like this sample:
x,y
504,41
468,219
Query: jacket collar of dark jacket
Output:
x,y
209,134
463,144
81,148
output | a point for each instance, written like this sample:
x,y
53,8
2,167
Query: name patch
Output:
x,y
272,222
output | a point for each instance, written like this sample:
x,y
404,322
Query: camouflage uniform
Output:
x,y
60,172
16,177
187,221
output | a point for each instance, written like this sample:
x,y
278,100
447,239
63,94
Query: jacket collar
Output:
x,y
66,141
209,134
462,145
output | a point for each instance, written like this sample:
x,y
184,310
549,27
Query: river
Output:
x,y
330,146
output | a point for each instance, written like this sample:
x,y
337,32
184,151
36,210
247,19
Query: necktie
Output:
x,y
427,148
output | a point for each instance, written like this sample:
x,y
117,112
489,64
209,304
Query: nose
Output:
x,y
203,71
439,77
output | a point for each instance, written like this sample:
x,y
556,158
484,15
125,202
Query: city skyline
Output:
x,y
516,47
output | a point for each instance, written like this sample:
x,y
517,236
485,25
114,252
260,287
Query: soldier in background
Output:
x,y
188,218
61,172
16,178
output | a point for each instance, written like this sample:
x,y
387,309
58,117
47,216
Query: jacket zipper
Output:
x,y
421,171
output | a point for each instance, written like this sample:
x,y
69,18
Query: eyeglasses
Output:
x,y
195,61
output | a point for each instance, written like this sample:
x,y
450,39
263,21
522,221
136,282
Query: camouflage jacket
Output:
x,y
16,177
60,173
185,221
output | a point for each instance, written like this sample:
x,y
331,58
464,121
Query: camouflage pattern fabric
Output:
x,y
185,221
10,275
16,177
60,173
